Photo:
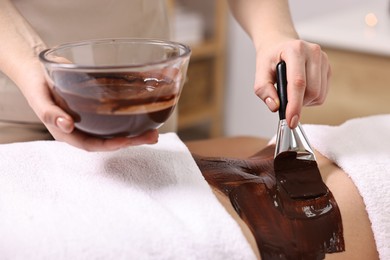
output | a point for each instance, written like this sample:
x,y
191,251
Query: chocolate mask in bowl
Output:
x,y
115,98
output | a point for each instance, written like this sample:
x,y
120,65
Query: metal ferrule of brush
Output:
x,y
293,140
287,139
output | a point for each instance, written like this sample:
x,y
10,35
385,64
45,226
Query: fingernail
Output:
x,y
272,105
64,125
294,122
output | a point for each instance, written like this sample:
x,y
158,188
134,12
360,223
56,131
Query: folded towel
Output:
x,y
145,202
361,147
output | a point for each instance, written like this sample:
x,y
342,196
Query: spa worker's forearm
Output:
x,y
19,44
264,21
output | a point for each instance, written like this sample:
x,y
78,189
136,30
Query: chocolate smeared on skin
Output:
x,y
284,227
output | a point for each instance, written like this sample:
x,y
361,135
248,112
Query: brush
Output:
x,y
295,164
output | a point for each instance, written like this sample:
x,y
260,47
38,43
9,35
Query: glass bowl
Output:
x,y
117,87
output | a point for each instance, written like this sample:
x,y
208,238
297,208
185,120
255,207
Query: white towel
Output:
x,y
361,147
146,202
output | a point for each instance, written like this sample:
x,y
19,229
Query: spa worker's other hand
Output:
x,y
269,24
19,47
59,123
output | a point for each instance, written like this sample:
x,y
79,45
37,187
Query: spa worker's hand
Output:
x,y
19,61
269,24
59,123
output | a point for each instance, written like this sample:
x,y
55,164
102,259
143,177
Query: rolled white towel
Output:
x,y
361,147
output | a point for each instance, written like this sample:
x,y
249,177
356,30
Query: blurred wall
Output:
x,y
245,114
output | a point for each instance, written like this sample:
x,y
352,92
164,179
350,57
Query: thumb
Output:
x,y
265,89
54,116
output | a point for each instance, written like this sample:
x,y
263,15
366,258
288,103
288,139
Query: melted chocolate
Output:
x,y
116,104
285,226
300,178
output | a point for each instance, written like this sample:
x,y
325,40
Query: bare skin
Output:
x,y
359,239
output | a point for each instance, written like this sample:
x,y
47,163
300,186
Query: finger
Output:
x,y
314,81
48,112
55,116
325,83
328,80
265,88
296,78
319,93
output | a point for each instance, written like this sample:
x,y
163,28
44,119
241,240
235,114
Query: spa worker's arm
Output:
x,y
19,48
269,24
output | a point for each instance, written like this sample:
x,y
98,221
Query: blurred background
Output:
x,y
218,98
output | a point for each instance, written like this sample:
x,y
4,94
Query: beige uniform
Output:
x,y
58,22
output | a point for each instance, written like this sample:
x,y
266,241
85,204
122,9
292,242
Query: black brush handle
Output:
x,y
281,87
